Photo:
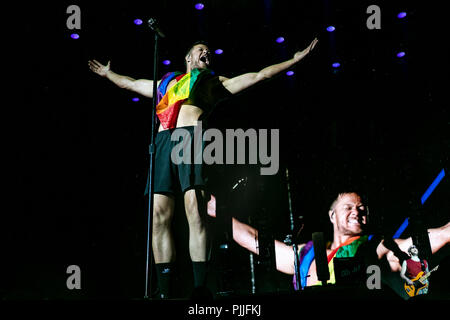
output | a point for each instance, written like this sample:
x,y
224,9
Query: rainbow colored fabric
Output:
x,y
345,250
170,104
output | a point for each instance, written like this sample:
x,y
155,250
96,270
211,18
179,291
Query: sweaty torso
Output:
x,y
189,114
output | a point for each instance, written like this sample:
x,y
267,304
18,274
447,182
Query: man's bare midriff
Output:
x,y
188,116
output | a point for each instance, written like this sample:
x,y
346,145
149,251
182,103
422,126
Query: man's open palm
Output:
x,y
99,68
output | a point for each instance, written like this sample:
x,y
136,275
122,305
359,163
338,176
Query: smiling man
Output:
x,y
183,100
347,213
349,216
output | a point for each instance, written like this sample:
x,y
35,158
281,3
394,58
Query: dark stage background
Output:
x,y
79,158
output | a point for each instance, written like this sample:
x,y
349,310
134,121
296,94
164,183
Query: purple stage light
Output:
x,y
280,40
138,22
166,62
401,15
290,73
135,99
218,51
74,35
331,28
336,65
199,6
401,54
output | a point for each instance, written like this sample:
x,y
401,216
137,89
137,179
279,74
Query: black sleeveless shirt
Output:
x,y
207,92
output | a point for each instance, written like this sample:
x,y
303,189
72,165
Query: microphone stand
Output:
x,y
148,265
290,239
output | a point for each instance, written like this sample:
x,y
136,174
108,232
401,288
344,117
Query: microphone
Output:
x,y
155,27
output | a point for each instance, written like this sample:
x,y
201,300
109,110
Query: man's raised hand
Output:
x,y
99,68
301,54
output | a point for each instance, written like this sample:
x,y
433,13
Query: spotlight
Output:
x,y
135,99
74,35
290,73
401,15
218,51
199,6
401,54
138,22
336,65
280,40
166,62
331,28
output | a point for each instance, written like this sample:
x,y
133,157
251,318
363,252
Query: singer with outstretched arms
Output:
x,y
183,100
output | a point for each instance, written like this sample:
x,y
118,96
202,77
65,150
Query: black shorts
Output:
x,y
184,169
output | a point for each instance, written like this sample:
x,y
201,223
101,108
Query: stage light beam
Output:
x,y
400,230
433,186
424,198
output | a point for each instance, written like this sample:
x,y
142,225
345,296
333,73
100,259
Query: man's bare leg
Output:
x,y
195,206
162,241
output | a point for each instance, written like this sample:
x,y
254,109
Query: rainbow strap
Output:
x,y
169,106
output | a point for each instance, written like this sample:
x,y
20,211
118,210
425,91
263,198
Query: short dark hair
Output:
x,y
362,195
188,51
